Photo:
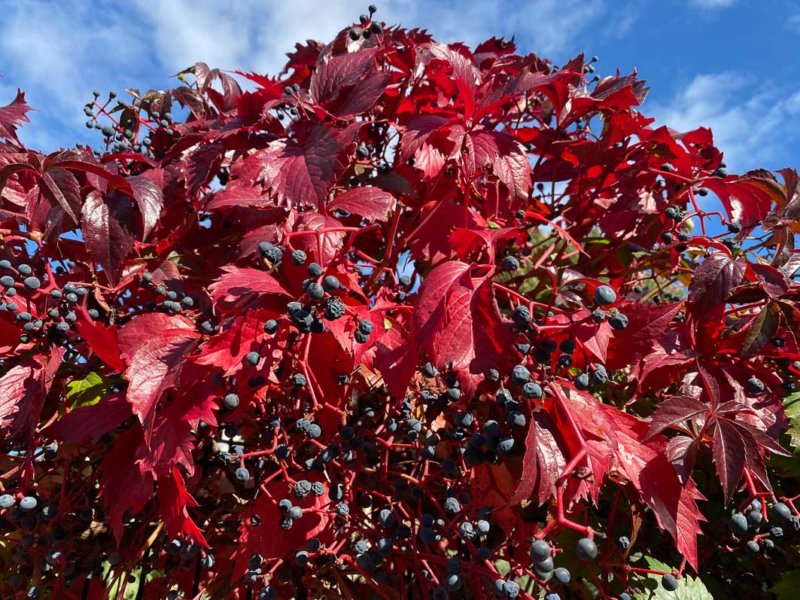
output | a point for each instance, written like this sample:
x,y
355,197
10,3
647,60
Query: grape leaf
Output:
x,y
22,392
791,405
12,116
174,500
236,283
616,442
88,423
86,391
107,238
371,203
103,342
674,410
154,361
714,278
456,314
689,588
301,172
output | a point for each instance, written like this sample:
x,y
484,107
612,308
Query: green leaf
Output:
x,y
689,588
502,566
788,588
493,225
792,406
387,324
789,466
86,391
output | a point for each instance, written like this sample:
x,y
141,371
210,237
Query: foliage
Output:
x,y
375,325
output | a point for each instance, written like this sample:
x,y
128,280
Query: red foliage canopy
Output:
x,y
299,322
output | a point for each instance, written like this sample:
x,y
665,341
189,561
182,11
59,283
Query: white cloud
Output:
x,y
711,3
751,126
59,51
794,21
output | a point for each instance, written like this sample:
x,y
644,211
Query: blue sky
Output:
x,y
729,64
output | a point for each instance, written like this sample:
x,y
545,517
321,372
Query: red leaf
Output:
x,y
761,329
542,462
88,424
371,203
729,456
108,240
616,442
456,314
674,410
258,536
103,342
301,173
595,338
149,198
22,392
714,278
242,335
647,324
12,116
773,281
17,396
154,361
347,84
173,502
748,199
61,188
321,248
396,360
504,155
238,282
123,486
681,451
241,195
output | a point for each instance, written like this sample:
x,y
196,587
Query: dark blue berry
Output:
x,y
782,511
315,291
231,401
510,263
561,575
540,550
28,503
520,375
331,283
452,506
505,445
738,524
618,321
604,295
586,549
754,385
532,390
669,582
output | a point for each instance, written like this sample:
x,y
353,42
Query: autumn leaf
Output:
x,y
153,362
12,116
